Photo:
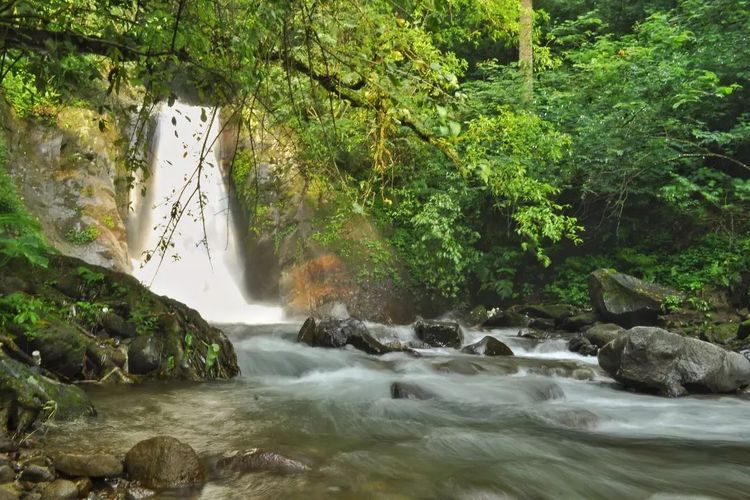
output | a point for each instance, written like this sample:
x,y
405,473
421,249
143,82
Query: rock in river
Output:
x,y
332,332
402,390
488,346
257,460
164,462
439,333
653,359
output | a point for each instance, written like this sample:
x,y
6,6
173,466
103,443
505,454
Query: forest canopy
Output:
x,y
632,151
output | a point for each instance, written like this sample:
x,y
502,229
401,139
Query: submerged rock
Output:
x,y
332,332
88,465
164,462
488,346
653,359
404,390
626,300
258,460
439,333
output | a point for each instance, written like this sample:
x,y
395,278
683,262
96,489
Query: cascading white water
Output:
x,y
214,287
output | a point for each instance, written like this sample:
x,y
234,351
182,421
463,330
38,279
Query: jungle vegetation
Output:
x,y
505,148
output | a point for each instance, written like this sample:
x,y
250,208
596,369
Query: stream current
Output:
x,y
517,427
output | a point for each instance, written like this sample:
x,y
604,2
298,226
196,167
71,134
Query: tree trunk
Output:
x,y
526,48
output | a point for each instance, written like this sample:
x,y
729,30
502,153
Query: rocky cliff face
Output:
x,y
72,178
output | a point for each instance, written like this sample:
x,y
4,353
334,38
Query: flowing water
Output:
x,y
497,427
543,424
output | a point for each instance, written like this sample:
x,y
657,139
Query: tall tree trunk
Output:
x,y
525,48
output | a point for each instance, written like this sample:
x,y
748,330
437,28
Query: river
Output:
x,y
518,427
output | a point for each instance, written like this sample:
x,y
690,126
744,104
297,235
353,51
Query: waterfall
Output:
x,y
213,286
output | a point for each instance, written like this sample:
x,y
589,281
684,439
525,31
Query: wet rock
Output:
x,y
542,324
138,493
603,333
332,332
24,395
582,345
653,359
582,374
37,474
566,369
144,355
504,319
403,390
60,489
116,325
743,330
573,419
306,334
554,312
439,333
164,462
88,465
7,474
626,300
488,346
258,460
545,391
530,333
579,321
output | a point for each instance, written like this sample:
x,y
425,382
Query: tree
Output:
x,y
526,48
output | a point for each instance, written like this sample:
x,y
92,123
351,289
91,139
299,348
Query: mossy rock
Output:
x,y
27,397
626,300
191,349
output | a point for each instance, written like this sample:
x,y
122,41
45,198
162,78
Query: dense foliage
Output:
x,y
632,153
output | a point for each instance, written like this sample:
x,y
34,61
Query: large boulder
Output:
x,y
164,462
488,346
652,359
91,316
439,333
332,332
626,300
